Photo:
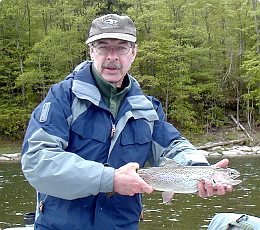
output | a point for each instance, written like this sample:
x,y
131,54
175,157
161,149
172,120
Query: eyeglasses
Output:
x,y
105,49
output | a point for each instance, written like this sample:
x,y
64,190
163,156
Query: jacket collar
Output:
x,y
84,87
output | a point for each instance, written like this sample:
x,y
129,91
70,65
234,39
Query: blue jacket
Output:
x,y
69,140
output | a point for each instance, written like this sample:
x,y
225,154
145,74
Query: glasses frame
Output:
x,y
110,47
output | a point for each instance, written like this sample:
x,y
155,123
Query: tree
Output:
x,y
199,57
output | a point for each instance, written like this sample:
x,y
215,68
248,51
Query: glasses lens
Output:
x,y
103,49
122,49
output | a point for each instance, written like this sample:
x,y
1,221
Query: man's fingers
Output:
x,y
134,166
201,189
223,163
128,182
229,188
220,190
206,189
146,189
209,188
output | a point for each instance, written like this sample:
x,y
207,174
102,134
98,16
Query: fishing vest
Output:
x,y
234,221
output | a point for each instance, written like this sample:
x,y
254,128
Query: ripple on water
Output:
x,y
188,211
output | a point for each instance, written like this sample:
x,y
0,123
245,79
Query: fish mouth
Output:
x,y
235,182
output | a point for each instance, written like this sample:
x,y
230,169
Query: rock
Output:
x,y
243,148
4,158
215,154
217,148
230,152
10,157
256,149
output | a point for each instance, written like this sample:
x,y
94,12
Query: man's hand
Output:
x,y
206,189
128,182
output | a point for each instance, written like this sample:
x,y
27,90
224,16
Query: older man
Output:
x,y
93,131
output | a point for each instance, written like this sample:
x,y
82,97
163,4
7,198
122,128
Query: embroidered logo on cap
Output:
x,y
110,22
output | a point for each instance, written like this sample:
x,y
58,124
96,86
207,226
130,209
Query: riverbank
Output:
x,y
225,141
10,150
217,150
235,150
228,141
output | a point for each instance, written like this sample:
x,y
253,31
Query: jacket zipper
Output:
x,y
42,203
113,129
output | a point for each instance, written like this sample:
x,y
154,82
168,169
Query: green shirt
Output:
x,y
113,96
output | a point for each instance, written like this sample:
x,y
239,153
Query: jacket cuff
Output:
x,y
184,153
107,180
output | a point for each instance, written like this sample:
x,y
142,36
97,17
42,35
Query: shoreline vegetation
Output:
x,y
199,61
225,141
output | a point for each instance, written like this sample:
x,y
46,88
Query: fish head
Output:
x,y
226,176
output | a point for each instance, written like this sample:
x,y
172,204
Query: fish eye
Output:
x,y
233,173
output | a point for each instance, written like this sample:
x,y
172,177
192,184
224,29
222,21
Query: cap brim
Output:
x,y
125,37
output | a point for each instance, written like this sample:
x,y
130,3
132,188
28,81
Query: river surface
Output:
x,y
187,211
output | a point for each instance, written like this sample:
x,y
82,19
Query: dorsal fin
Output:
x,y
167,162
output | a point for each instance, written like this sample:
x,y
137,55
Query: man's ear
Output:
x,y
134,52
91,52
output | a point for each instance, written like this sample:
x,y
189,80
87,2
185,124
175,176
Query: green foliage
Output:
x,y
13,122
198,57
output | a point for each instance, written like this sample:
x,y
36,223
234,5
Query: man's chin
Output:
x,y
116,81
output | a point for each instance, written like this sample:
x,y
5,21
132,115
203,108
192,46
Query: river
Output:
x,y
187,211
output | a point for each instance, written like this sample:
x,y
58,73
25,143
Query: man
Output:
x,y
91,134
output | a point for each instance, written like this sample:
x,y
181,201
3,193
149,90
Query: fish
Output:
x,y
171,178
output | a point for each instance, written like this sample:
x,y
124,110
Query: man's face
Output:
x,y
112,66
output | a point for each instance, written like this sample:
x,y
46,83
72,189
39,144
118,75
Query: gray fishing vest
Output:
x,y
234,221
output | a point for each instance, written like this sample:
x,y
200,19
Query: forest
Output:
x,y
200,58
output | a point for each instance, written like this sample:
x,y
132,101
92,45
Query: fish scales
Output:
x,y
184,179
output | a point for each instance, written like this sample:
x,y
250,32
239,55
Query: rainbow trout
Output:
x,y
171,177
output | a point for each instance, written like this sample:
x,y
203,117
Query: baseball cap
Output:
x,y
112,26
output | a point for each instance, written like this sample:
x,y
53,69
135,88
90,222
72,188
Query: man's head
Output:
x,y
112,26
112,46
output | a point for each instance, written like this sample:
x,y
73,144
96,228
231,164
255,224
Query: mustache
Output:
x,y
112,65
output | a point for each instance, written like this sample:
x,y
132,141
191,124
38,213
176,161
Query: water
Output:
x,y
16,195
188,211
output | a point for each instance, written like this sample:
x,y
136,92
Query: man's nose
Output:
x,y
112,54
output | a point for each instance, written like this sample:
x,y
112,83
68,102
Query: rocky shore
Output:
x,y
235,150
10,157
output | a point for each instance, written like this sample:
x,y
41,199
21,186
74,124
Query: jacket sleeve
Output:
x,y
48,167
168,142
